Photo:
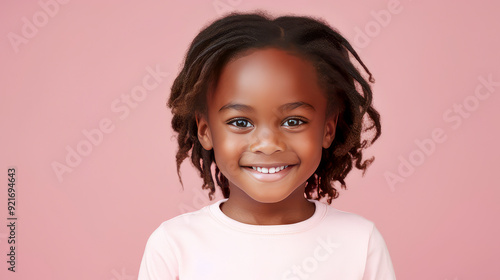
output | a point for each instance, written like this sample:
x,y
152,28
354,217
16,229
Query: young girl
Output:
x,y
279,109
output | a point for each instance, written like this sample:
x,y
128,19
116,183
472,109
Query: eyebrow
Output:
x,y
282,108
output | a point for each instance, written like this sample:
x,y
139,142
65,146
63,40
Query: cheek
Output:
x,y
309,145
228,148
230,143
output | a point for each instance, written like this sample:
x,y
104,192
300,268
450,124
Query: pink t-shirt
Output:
x,y
207,244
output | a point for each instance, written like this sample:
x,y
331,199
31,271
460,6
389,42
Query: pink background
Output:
x,y
440,221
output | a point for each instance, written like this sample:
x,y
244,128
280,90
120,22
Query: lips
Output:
x,y
269,172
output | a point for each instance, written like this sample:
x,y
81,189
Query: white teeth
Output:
x,y
269,170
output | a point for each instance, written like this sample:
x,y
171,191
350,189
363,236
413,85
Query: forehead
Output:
x,y
265,74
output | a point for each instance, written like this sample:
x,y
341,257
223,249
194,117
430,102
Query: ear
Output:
x,y
204,134
330,127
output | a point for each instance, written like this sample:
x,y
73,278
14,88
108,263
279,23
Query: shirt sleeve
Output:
x,y
378,262
158,261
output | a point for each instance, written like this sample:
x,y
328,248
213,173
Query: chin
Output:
x,y
269,198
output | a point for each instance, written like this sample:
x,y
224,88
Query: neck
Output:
x,y
293,209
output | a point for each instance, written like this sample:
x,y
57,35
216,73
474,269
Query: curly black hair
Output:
x,y
348,93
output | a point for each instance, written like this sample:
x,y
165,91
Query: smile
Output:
x,y
269,174
271,170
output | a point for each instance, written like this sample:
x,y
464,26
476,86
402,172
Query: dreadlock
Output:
x,y
348,93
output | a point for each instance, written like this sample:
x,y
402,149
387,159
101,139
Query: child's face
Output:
x,y
267,111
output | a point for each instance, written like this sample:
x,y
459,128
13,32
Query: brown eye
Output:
x,y
293,122
240,123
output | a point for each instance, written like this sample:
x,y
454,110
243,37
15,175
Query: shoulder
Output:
x,y
186,220
163,248
186,223
347,221
166,235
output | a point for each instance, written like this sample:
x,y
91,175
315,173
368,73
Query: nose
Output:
x,y
267,141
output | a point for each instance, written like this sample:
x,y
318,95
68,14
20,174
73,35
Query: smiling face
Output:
x,y
267,125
